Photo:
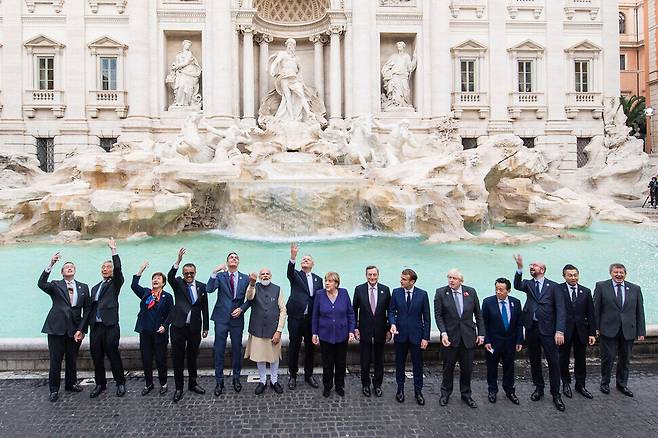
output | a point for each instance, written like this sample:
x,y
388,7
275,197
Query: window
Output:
x,y
528,142
107,143
622,22
468,75
469,142
525,76
46,154
581,156
622,62
108,73
45,73
582,76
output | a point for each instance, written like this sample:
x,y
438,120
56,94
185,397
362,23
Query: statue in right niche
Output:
x,y
396,77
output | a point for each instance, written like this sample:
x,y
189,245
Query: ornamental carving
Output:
x,y
291,11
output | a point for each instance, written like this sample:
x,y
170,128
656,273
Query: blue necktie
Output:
x,y
538,289
189,291
503,312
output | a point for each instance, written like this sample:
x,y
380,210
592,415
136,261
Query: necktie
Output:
x,y
373,297
503,312
619,295
457,303
230,282
408,299
70,289
189,292
98,297
537,288
573,296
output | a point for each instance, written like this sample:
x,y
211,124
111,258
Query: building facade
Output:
x,y
81,73
632,61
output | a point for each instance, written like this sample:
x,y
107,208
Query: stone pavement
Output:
x,y
25,411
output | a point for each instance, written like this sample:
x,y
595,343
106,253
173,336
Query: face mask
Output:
x,y
265,282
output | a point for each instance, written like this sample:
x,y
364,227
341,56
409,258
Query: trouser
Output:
x,y
401,350
299,328
452,355
506,356
62,347
154,344
221,334
372,352
334,363
609,349
579,351
262,372
185,343
537,342
104,341
652,193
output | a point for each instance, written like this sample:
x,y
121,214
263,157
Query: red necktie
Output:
x,y
230,282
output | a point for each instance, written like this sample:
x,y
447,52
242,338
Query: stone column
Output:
x,y
498,59
318,66
218,97
363,58
248,74
440,60
335,89
610,53
139,71
264,41
558,85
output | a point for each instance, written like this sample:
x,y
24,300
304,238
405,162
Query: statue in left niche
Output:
x,y
183,78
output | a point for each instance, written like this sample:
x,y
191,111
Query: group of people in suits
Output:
x,y
556,319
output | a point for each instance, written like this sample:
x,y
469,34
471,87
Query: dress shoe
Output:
x,y
260,388
292,383
566,390
312,381
444,399
513,398
147,389
537,395
121,390
605,388
584,392
98,389
378,392
276,386
219,389
624,390
237,386
559,404
163,389
54,396
399,396
326,392
178,394
492,397
198,389
340,391
419,398
366,391
73,388
469,402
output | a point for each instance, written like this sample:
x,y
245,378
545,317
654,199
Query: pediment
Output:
x,y
584,46
105,42
43,41
527,46
469,45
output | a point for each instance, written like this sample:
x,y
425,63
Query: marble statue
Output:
x,y
396,76
226,143
183,78
196,147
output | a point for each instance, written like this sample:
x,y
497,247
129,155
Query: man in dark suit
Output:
x,y
303,285
231,286
456,306
371,300
619,317
580,330
503,338
64,324
104,320
409,317
187,317
545,322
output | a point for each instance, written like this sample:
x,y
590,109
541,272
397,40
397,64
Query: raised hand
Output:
x,y
219,268
252,278
181,253
112,245
294,249
145,265
519,261
55,258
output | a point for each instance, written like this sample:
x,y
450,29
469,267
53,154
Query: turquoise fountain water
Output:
x,y
592,251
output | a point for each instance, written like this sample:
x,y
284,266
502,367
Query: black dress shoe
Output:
x,y
419,398
292,383
399,396
147,389
366,391
178,394
584,392
121,390
73,388
198,389
537,395
605,388
378,392
237,386
98,389
469,402
513,398
312,381
444,399
276,386
163,389
566,390
492,397
624,390
326,392
219,389
559,404
260,388
340,391
54,396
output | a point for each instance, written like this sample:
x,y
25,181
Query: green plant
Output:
x,y
634,107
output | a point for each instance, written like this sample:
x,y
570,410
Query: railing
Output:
x,y
585,100
44,98
590,6
528,99
109,98
469,99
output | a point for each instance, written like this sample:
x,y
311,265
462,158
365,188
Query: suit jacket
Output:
x,y
413,324
333,322
64,318
579,317
609,317
371,327
108,301
547,305
300,297
225,303
183,304
496,335
460,329
150,320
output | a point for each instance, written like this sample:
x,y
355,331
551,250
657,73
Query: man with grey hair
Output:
x,y
619,319
459,319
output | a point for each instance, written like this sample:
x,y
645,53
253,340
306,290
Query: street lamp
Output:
x,y
648,113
